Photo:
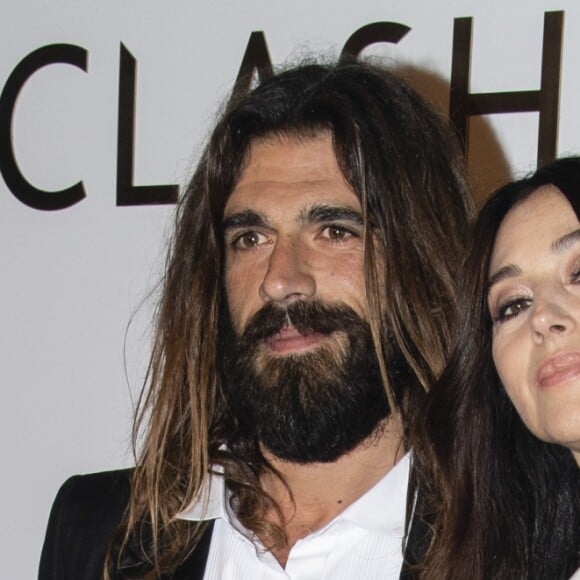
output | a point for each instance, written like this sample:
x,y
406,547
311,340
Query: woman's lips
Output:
x,y
290,340
559,369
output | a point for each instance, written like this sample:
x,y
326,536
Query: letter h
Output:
x,y
545,100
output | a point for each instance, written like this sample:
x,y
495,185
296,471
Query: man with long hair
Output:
x,y
306,310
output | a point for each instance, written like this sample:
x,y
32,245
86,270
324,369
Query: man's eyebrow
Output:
x,y
566,241
327,213
509,271
243,219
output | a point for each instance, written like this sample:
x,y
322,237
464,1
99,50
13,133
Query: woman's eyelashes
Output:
x,y
575,275
510,308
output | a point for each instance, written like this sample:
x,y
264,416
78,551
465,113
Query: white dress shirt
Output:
x,y
364,541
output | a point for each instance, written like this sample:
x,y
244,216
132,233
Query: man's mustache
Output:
x,y
306,316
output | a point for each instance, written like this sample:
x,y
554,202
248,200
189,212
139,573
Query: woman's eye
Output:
x,y
575,276
248,240
512,308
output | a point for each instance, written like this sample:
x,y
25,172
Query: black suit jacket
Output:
x,y
88,509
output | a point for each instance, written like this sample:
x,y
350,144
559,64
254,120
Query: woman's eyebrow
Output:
x,y
566,241
509,271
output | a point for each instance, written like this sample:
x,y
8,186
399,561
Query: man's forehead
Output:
x,y
291,157
280,168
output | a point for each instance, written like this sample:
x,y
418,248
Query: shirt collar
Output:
x,y
390,493
382,509
210,504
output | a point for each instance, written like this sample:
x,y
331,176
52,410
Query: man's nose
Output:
x,y
289,275
550,317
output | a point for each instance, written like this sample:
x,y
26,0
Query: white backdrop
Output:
x,y
72,279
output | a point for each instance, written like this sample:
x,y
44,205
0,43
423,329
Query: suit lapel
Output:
x,y
417,542
194,567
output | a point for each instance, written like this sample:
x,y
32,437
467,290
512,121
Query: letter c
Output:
x,y
22,189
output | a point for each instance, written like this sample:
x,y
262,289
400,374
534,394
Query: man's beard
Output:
x,y
310,406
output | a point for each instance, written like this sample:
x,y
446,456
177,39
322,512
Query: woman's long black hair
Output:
x,y
502,503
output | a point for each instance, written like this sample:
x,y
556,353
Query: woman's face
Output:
x,y
534,301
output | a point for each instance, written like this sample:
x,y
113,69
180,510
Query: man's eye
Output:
x,y
248,240
512,308
336,233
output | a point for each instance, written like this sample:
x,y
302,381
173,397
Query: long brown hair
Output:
x,y
503,504
404,165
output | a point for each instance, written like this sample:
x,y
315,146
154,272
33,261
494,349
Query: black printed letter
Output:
x,y
464,105
127,193
16,182
370,34
256,60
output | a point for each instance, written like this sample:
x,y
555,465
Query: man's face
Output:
x,y
293,231
302,371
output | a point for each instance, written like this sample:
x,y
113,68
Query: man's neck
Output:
x,y
312,495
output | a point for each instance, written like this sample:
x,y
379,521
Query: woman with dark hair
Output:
x,y
501,476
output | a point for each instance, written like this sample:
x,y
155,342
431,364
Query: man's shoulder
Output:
x,y
83,519
102,496
95,491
